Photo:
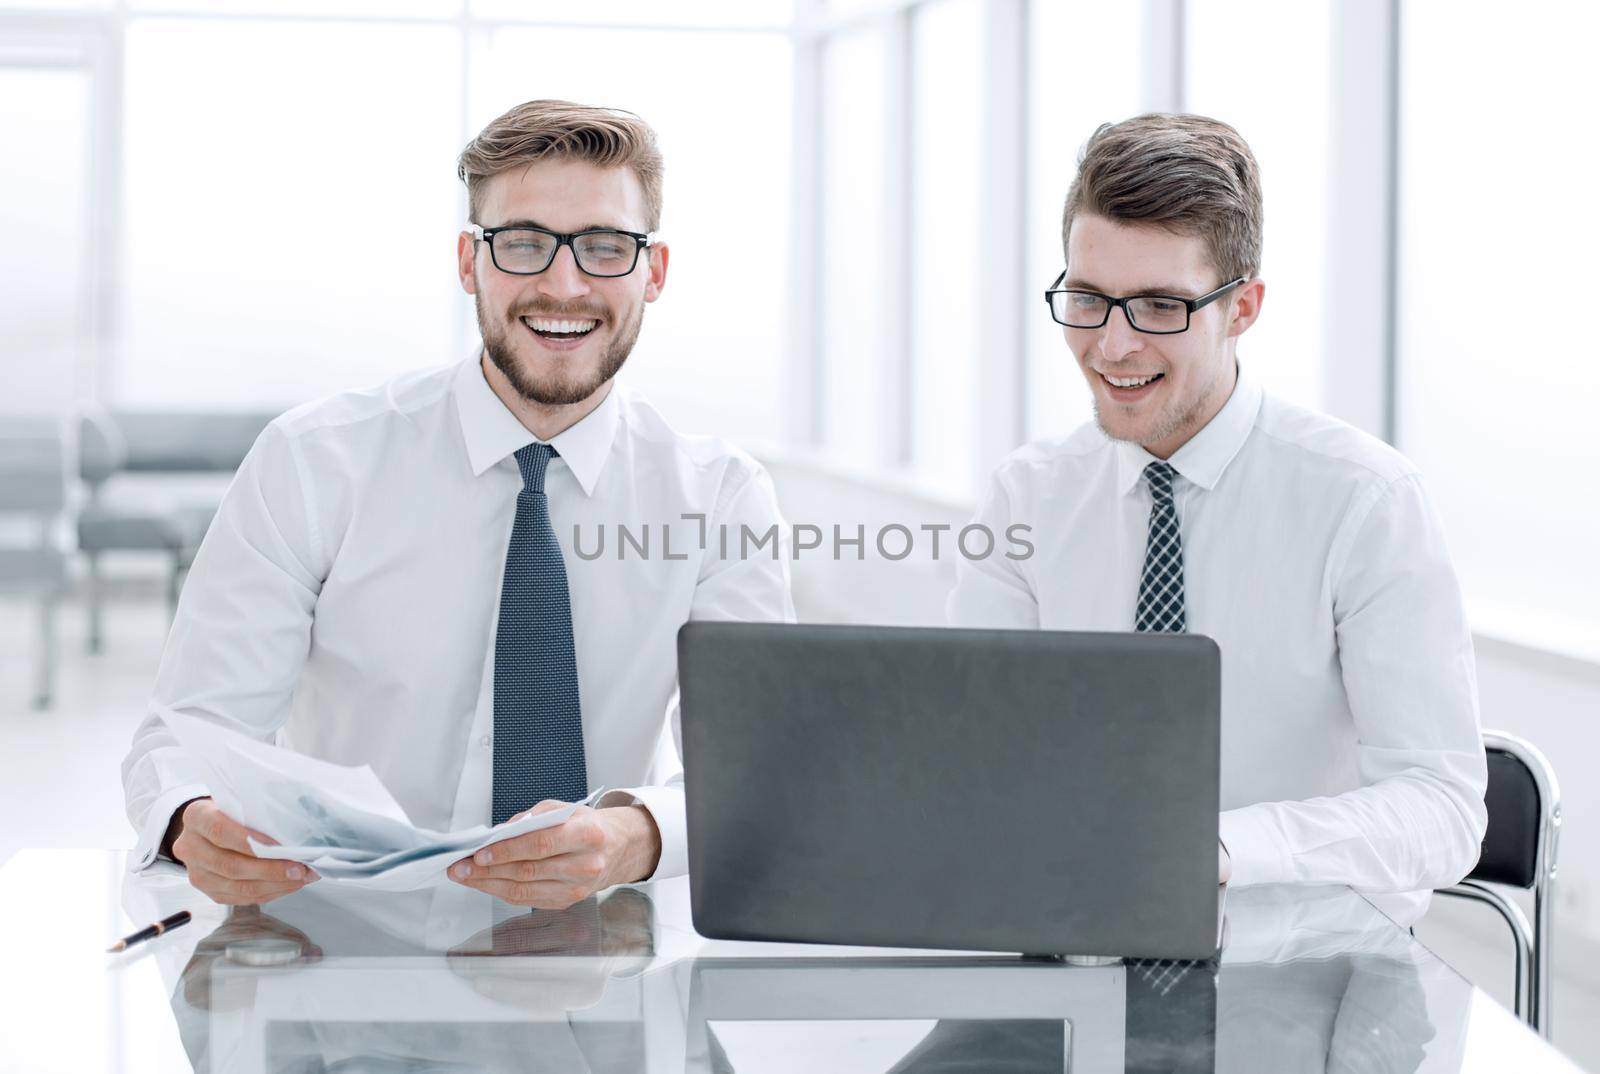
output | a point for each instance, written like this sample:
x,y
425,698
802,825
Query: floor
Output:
x,y
60,784
61,768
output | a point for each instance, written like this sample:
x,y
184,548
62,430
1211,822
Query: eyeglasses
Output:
x,y
1159,315
528,251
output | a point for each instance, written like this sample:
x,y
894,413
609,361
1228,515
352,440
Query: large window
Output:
x,y
709,355
1498,370
1262,67
1073,90
853,206
258,239
44,216
928,368
949,231
285,237
285,208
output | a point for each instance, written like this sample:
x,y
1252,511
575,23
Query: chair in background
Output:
x,y
155,481
33,500
1519,851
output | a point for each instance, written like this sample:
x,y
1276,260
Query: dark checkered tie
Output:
x,y
1161,585
538,725
1161,610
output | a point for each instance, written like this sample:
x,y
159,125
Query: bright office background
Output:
x,y
217,204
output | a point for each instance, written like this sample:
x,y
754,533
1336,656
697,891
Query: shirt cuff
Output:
x,y
148,849
666,808
1255,848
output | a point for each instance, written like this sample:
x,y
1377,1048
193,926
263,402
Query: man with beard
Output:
x,y
408,577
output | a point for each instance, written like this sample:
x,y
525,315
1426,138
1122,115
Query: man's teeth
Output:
x,y
571,328
1130,382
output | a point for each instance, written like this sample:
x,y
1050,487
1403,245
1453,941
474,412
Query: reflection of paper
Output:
x,y
340,820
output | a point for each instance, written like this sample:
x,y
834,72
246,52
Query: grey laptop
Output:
x,y
1030,791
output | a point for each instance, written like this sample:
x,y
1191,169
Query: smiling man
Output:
x,y
1196,502
392,578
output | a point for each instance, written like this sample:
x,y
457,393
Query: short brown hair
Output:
x,y
542,130
1183,173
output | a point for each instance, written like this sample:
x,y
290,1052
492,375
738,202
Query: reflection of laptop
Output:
x,y
1031,791
809,1010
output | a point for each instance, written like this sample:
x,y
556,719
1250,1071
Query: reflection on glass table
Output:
x,y
447,979
525,992
1309,979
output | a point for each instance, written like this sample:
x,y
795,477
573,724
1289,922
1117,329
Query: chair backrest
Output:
x,y
1523,802
193,442
165,442
102,449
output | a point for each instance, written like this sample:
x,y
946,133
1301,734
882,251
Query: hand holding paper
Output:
x,y
553,867
339,820
419,866
215,851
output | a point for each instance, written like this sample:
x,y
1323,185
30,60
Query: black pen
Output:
x,y
150,932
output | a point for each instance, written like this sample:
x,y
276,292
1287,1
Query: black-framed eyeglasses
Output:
x,y
522,250
1159,315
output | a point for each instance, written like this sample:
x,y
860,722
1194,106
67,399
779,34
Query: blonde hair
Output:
x,y
544,130
1183,173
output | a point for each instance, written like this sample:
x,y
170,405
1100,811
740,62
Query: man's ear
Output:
x,y
466,255
657,268
1244,305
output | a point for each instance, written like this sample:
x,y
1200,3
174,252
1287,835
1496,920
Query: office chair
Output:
x,y
1519,850
154,480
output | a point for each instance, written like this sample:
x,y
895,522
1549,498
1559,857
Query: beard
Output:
x,y
1168,423
554,391
1179,415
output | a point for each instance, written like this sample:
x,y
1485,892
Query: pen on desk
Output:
x,y
150,932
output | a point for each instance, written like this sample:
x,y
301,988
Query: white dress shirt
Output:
x,y
1350,742
345,599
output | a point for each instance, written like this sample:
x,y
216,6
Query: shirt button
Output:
x,y
486,741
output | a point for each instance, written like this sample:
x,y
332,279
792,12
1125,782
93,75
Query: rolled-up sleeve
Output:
x,y
1406,660
240,636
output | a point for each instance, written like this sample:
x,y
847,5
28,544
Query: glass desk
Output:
x,y
450,980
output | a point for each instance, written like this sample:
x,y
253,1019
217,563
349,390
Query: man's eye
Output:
x,y
1162,306
604,248
525,243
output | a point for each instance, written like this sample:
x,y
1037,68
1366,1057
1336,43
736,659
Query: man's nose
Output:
x,y
564,279
1118,337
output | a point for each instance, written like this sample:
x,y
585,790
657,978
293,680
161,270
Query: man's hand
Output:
x,y
552,869
590,944
214,848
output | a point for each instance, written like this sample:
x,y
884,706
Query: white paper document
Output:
x,y
338,819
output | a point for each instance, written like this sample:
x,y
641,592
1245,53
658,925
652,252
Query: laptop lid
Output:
x,y
1033,791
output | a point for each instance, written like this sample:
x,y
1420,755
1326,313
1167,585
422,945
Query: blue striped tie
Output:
x,y
1161,585
538,724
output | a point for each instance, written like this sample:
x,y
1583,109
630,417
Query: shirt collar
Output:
x,y
492,432
1208,452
